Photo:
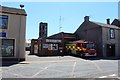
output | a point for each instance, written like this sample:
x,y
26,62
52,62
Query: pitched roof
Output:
x,y
105,25
62,33
9,10
118,20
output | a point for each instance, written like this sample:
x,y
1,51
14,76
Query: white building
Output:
x,y
12,33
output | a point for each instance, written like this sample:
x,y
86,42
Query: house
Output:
x,y
105,36
12,33
117,23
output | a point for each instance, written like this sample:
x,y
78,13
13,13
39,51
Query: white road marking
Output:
x,y
73,69
39,72
97,67
102,77
112,75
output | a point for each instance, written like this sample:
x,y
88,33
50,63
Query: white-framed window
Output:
x,y
3,22
112,33
53,47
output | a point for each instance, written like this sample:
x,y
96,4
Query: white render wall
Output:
x,y
16,30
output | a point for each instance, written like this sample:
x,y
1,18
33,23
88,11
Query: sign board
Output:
x,y
45,45
53,41
2,34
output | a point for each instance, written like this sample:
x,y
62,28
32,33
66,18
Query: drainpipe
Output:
x,y
19,43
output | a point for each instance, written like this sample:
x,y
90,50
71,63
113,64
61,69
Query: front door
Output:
x,y
110,50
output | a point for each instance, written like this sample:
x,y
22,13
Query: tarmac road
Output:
x,y
61,67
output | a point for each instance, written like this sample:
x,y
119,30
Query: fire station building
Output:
x,y
106,37
52,45
12,33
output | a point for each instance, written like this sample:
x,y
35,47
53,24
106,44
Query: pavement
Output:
x,y
62,67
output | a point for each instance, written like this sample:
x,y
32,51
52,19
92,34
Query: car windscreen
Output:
x,y
88,45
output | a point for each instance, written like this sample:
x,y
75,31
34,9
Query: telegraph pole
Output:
x,y
60,24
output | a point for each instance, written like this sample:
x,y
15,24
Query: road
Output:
x,y
62,67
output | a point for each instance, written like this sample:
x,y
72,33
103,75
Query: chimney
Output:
x,y
108,21
86,18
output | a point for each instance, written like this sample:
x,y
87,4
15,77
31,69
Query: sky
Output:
x,y
72,15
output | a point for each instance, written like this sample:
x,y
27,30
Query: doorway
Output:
x,y
35,49
110,50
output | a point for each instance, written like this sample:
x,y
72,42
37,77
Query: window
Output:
x,y
49,46
112,34
79,44
7,48
43,27
53,47
3,22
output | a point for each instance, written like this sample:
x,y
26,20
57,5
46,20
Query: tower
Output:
x,y
43,30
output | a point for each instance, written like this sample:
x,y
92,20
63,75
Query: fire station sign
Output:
x,y
53,41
